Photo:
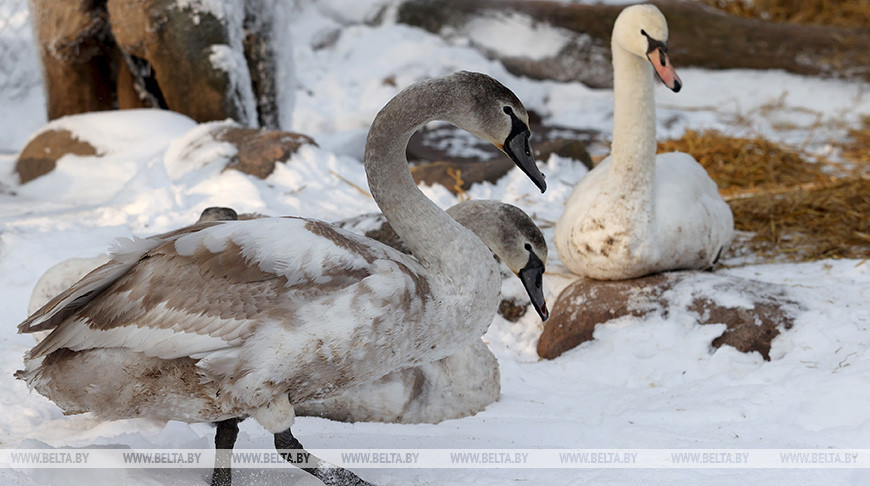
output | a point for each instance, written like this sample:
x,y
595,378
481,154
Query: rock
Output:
x,y
175,45
564,147
455,159
76,51
587,303
458,177
41,154
749,329
192,58
512,310
260,149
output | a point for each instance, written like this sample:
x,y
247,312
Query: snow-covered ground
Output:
x,y
643,383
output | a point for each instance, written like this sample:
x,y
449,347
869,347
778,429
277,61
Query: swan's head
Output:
x,y
643,31
493,113
514,238
217,213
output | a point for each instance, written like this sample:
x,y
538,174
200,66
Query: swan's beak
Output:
x,y
517,147
532,276
664,69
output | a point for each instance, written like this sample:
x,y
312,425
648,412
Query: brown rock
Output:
x,y
459,176
748,329
41,154
587,303
77,55
260,149
177,43
455,159
108,54
512,310
564,147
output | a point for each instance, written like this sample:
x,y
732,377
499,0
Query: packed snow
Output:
x,y
642,383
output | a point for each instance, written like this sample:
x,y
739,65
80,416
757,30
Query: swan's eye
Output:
x,y
643,33
528,247
508,110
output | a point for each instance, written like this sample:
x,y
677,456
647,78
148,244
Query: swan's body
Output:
x,y
637,213
247,318
458,385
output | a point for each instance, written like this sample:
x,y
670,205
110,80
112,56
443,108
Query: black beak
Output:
x,y
517,147
532,276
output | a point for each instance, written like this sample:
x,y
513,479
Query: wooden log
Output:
x,y
700,36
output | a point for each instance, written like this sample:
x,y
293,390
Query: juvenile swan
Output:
x,y
637,213
455,386
225,320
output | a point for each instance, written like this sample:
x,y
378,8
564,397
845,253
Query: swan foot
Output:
x,y
292,451
224,440
715,260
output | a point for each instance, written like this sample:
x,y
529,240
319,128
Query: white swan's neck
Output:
x,y
634,118
437,241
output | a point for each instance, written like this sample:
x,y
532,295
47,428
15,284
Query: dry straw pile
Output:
x,y
838,13
791,203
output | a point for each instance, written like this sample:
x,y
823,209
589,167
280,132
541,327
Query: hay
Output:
x,y
857,148
804,225
747,166
837,13
793,208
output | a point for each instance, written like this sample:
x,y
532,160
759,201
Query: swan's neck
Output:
x,y
634,119
438,242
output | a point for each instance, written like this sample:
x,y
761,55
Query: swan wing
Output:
x,y
204,292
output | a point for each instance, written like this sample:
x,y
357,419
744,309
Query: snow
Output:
x,y
642,383
524,38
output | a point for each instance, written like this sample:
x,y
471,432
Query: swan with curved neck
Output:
x,y
456,386
637,213
220,321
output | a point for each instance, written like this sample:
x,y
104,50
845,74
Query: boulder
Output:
x,y
78,55
260,149
41,154
194,58
457,160
754,312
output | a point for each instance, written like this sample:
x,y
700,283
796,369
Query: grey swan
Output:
x,y
456,386
247,318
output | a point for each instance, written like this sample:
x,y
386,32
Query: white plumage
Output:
x,y
637,213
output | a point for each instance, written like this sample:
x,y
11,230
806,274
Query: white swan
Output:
x,y
637,213
455,386
246,318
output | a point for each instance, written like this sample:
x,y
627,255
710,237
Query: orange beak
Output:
x,y
664,69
